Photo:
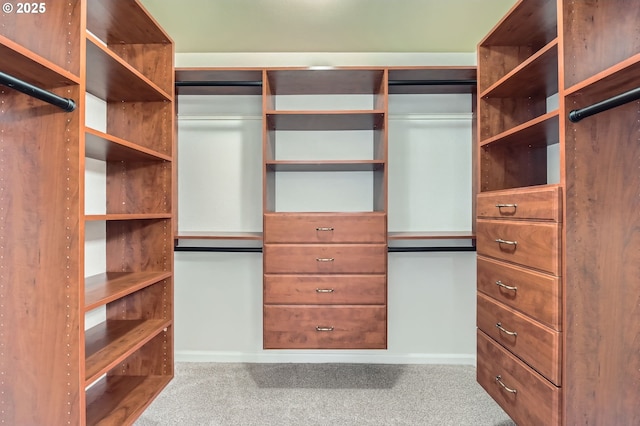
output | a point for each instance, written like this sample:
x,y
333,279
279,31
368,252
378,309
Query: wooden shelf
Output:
x,y
325,120
338,81
28,66
119,400
112,79
538,74
325,166
111,342
432,74
221,76
123,22
527,23
201,235
109,286
105,147
133,216
432,235
542,130
616,79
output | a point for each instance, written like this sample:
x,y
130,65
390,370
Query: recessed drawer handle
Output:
x,y
324,290
324,228
504,330
324,259
504,206
318,328
501,241
507,287
508,389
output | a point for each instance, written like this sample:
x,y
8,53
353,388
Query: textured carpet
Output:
x,y
323,394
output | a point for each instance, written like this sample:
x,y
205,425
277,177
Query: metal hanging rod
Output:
x,y
65,104
615,101
259,249
248,83
432,82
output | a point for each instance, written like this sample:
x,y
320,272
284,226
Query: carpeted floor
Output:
x,y
323,394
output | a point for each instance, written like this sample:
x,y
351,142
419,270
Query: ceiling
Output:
x,y
327,25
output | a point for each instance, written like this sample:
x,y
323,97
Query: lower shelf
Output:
x,y
119,400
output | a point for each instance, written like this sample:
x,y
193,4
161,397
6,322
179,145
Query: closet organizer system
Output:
x,y
52,370
559,257
325,272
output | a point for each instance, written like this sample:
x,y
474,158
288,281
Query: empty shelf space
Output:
x,y
203,235
432,80
325,166
432,235
112,341
542,130
206,81
538,74
25,65
112,79
325,81
616,79
132,216
325,120
102,146
119,400
109,286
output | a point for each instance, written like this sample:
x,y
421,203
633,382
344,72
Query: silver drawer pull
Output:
x,y
501,241
318,328
324,259
504,330
324,290
324,228
504,206
506,287
508,389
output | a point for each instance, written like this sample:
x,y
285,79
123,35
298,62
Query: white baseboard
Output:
x,y
357,357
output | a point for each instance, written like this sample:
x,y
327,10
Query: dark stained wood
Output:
x,y
325,228
498,61
219,75
314,258
139,245
306,81
325,290
431,73
537,345
138,187
325,120
146,124
536,401
109,286
506,166
105,147
540,131
150,60
352,327
538,243
527,23
537,294
500,115
325,165
537,202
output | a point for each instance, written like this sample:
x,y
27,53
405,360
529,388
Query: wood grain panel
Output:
x,y
325,258
347,327
534,343
325,228
139,187
540,203
536,400
325,290
536,294
537,243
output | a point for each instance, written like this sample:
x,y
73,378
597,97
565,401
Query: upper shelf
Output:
x,y
212,81
123,21
325,120
112,79
432,80
542,130
332,81
105,147
528,23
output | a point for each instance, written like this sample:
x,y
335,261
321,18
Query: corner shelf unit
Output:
x,y
58,372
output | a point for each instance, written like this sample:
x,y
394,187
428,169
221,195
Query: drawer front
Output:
x,y
532,244
325,258
325,289
534,293
535,344
530,203
325,327
325,228
535,402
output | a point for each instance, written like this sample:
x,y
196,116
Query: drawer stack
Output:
x,y
325,281
519,301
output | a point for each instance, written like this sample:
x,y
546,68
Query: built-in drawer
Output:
x,y
539,203
325,327
325,289
325,228
325,258
532,244
527,397
537,345
536,294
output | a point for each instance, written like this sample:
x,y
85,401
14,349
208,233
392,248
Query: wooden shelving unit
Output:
x,y
57,372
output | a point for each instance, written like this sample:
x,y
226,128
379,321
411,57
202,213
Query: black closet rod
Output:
x,y
248,83
65,104
432,82
615,101
259,249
